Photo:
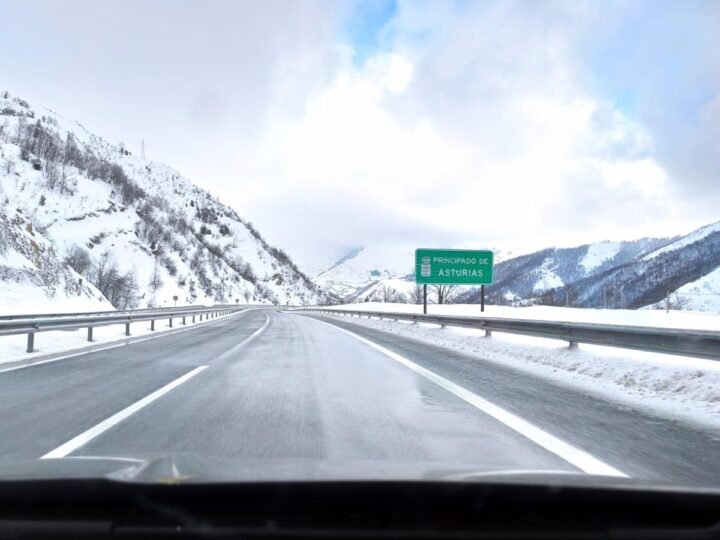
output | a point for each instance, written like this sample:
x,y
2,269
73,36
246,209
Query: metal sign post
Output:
x,y
425,298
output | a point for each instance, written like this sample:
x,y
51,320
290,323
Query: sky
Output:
x,y
511,125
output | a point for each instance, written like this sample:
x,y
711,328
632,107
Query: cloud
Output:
x,y
333,124
483,130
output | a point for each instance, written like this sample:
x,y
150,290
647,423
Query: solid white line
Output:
x,y
254,334
85,437
245,341
579,458
124,341
58,358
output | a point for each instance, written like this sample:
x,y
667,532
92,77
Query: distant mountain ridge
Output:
x,y
627,274
530,276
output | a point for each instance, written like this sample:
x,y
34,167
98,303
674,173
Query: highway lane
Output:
x,y
638,443
42,406
303,389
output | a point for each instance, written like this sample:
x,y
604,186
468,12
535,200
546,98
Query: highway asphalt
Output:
x,y
267,384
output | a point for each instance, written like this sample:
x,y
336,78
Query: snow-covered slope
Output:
x,y
685,267
368,272
151,230
695,236
524,278
32,275
700,295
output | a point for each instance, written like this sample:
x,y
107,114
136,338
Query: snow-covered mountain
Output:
x,y
682,268
373,272
107,225
629,274
529,276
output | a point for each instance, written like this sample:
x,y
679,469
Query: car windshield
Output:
x,y
378,239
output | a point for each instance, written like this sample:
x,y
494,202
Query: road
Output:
x,y
266,384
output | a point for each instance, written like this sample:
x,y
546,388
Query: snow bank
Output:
x,y
681,388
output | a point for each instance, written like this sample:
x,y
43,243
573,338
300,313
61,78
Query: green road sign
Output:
x,y
453,266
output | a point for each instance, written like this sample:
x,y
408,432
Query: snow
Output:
x,y
645,317
599,253
680,388
13,348
548,278
691,238
20,298
361,267
702,294
92,215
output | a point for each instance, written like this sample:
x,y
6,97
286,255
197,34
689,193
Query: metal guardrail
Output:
x,y
32,324
695,343
113,312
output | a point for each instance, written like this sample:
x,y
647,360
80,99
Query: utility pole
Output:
x,y
142,149
667,301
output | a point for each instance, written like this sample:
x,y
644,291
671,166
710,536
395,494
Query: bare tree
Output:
x,y
78,259
445,293
388,294
416,294
120,289
155,279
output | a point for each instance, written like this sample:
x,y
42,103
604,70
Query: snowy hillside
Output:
x,y
702,294
373,271
31,273
137,229
524,278
685,267
695,236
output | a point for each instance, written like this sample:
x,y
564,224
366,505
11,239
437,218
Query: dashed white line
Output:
x,y
575,456
85,437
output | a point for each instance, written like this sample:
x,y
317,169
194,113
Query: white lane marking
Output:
x,y
255,334
107,458
58,358
244,341
85,437
127,341
575,456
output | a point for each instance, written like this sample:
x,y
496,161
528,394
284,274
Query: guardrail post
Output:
x,y
170,322
183,319
573,345
31,341
127,328
90,333
193,318
152,325
488,333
